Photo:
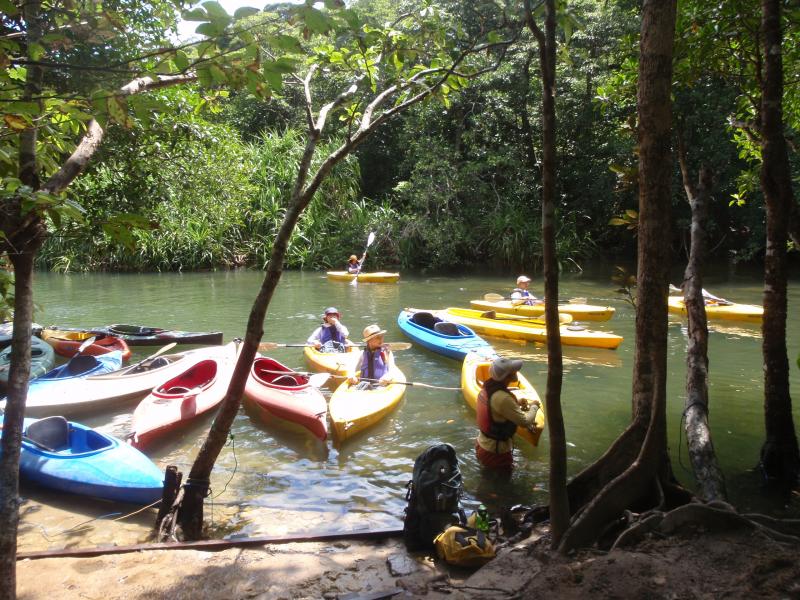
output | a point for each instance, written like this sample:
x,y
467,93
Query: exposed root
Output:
x,y
713,517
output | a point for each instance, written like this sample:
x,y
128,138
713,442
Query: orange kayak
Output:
x,y
66,343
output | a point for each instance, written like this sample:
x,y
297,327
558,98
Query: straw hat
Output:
x,y
371,331
523,279
502,368
353,258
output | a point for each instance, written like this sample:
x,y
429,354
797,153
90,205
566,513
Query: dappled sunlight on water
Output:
x,y
271,481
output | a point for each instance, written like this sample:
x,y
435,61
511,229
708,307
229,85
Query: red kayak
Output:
x,y
66,343
284,397
195,391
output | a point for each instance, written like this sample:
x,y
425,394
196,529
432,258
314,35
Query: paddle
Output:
x,y
370,239
498,298
393,346
86,343
412,383
708,297
492,314
169,346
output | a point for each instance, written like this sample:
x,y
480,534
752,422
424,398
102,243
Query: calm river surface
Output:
x,y
272,482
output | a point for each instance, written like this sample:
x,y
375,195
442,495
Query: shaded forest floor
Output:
x,y
736,564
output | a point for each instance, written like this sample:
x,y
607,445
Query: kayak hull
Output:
x,y
353,411
421,327
107,391
519,329
579,312
91,463
137,335
67,343
338,364
180,399
746,313
287,401
475,370
376,277
43,358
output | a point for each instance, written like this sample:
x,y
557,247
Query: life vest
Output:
x,y
530,298
373,364
331,334
498,431
353,268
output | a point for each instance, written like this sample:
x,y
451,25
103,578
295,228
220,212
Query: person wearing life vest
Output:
x,y
376,361
331,335
521,295
499,414
354,263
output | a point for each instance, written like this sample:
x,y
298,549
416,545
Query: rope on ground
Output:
x,y
85,525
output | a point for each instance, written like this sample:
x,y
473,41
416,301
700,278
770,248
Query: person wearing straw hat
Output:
x,y
521,295
354,263
376,361
331,336
499,414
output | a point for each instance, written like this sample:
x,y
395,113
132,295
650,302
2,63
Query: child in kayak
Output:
x,y
521,295
331,336
354,263
376,361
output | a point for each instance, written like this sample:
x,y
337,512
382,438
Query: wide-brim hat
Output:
x,y
371,331
352,258
502,368
523,279
331,310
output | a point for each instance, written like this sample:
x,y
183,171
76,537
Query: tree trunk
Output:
x,y
780,459
650,359
707,473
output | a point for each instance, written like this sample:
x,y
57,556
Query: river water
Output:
x,y
268,481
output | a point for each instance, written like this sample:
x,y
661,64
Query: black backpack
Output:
x,y
433,495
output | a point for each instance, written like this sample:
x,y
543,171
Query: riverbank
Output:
x,y
734,564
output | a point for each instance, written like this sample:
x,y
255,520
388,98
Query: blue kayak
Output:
x,y
73,458
78,367
43,358
440,336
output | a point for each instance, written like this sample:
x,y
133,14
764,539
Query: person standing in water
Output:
x,y
499,414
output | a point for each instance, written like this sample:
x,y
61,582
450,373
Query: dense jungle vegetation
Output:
x,y
447,184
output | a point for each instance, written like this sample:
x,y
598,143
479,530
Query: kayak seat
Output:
x,y
285,381
158,362
51,433
80,364
425,319
447,328
177,389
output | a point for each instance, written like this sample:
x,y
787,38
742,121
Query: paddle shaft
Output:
x,y
393,346
412,383
169,346
497,298
370,239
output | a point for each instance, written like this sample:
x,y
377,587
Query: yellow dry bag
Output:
x,y
464,547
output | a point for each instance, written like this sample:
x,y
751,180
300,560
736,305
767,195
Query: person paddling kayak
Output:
x,y
521,295
376,361
354,263
331,335
499,413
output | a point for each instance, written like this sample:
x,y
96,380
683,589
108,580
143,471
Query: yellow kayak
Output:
x,y
337,364
749,313
475,371
529,330
377,277
353,411
579,312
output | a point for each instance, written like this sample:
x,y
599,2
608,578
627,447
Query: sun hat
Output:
x,y
352,258
370,331
331,310
523,279
503,367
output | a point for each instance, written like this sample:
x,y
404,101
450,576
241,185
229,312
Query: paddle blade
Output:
x,y
493,297
370,238
395,346
355,280
268,345
88,342
318,379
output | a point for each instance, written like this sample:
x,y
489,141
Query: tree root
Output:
x,y
712,517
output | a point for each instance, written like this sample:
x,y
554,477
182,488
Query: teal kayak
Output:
x,y
42,360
